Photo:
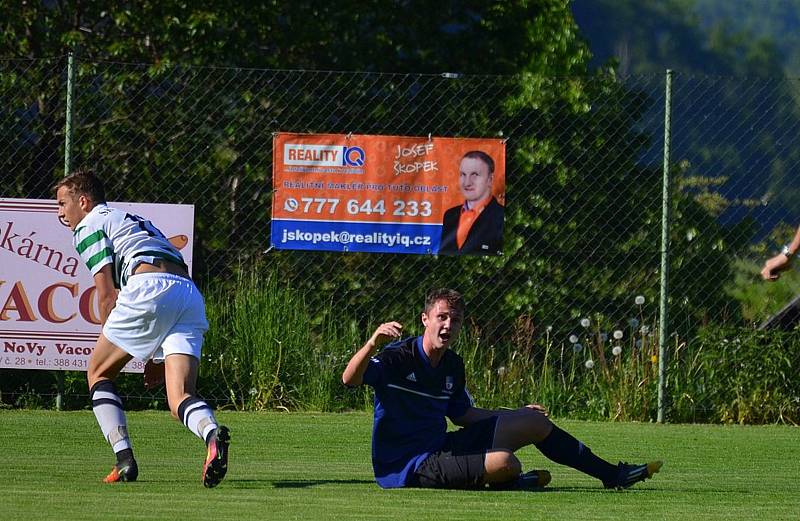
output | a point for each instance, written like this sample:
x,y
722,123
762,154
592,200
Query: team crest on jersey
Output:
x,y
448,383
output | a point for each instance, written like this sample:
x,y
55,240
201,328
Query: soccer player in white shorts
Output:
x,y
158,313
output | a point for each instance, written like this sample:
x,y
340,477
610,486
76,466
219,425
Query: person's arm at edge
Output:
x,y
780,262
353,374
106,292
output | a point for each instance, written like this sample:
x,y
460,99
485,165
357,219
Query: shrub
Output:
x,y
738,375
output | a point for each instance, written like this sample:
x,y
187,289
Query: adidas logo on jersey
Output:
x,y
411,377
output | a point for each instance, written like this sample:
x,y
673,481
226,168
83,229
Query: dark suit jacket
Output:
x,y
484,238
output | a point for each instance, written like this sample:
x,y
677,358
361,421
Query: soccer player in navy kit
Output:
x,y
419,380
158,312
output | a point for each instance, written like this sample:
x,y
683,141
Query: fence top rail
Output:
x,y
444,74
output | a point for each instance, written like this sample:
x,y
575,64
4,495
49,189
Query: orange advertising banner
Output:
x,y
390,194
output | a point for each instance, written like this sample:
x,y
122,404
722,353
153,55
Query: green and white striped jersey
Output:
x,y
111,236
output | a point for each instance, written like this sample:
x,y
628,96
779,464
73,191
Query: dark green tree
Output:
x,y
583,213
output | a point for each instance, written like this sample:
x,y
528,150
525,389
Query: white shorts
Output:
x,y
158,314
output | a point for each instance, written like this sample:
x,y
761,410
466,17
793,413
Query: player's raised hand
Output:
x,y
354,372
773,267
386,332
537,407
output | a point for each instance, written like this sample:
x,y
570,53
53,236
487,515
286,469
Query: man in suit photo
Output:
x,y
475,226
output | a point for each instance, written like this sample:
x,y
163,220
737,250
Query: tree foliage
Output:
x,y
734,114
582,228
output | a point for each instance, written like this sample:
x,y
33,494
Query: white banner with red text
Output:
x,y
48,303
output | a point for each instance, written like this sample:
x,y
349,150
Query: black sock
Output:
x,y
562,448
124,455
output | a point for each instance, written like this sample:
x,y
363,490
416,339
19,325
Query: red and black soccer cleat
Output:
x,y
123,471
216,465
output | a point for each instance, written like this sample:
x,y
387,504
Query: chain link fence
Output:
x,y
584,186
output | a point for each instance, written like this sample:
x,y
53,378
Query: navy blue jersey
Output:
x,y
411,402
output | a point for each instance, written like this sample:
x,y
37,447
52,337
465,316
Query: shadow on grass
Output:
x,y
598,490
260,483
304,483
547,490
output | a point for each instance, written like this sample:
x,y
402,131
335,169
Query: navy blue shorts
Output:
x,y
460,462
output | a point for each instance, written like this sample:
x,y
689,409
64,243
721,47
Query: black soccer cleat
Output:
x,y
216,465
629,475
532,480
126,470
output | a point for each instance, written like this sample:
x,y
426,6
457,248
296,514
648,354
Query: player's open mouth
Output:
x,y
444,337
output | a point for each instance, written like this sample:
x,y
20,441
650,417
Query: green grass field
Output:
x,y
316,466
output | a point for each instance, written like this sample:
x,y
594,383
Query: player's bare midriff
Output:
x,y
161,266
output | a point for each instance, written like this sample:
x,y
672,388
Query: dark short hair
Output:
x,y
83,182
482,156
451,296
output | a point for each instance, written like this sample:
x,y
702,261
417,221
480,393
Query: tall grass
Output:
x,y
740,375
574,377
733,375
267,349
271,351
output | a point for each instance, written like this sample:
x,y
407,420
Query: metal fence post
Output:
x,y
666,203
68,124
67,168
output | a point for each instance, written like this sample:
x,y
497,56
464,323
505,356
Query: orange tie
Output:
x,y
465,222
467,219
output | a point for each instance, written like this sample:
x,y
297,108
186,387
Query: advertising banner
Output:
x,y
48,303
388,194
